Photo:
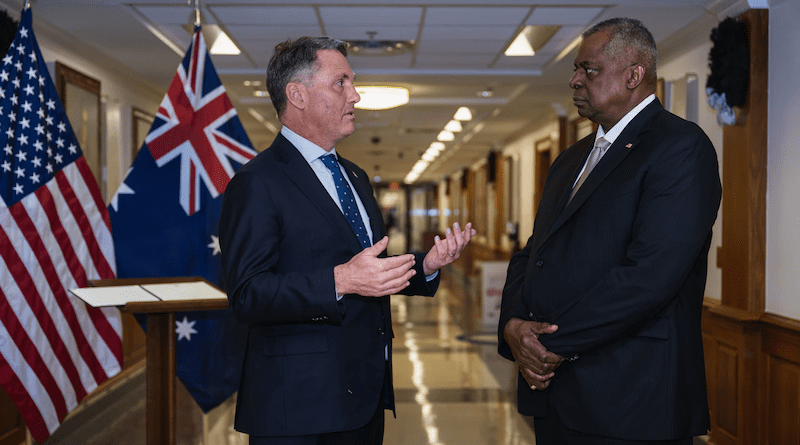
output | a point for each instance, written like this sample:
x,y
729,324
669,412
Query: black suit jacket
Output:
x,y
312,364
621,270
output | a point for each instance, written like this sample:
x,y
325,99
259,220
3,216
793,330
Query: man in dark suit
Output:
x,y
300,267
601,309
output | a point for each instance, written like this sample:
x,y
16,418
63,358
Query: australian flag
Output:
x,y
165,215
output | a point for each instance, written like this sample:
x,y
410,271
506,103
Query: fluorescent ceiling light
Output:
x,y
438,146
520,47
445,136
531,39
218,42
381,97
463,114
453,126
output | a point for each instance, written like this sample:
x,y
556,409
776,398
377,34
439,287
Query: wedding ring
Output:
x,y
452,254
533,387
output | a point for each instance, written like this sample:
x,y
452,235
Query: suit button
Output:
x,y
380,330
540,263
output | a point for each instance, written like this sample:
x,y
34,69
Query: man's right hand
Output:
x,y
536,364
367,275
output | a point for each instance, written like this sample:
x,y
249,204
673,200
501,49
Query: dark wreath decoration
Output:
x,y
729,60
8,30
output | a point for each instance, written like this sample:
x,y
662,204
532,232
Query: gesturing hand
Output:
x,y
367,275
536,364
445,251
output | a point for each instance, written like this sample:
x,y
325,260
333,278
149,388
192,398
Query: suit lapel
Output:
x,y
301,174
617,152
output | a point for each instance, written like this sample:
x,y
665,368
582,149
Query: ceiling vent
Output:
x,y
376,47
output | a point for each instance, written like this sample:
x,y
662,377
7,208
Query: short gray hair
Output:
x,y
630,35
292,61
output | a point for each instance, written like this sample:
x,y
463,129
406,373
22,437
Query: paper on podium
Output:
x,y
196,290
104,296
112,295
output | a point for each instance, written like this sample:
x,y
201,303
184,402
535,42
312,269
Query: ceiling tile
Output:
x,y
373,15
266,15
279,33
460,46
543,15
502,33
378,62
465,16
479,61
359,32
175,15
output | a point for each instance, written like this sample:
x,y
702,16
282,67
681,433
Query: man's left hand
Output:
x,y
445,251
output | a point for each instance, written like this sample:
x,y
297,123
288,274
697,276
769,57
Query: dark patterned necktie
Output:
x,y
347,200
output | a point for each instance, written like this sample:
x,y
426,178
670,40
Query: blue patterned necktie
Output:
x,y
347,200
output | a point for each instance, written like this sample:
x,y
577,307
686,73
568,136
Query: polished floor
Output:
x,y
451,387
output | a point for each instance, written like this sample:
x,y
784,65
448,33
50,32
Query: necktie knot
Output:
x,y
602,145
330,161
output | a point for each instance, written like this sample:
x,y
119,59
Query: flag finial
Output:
x,y
196,12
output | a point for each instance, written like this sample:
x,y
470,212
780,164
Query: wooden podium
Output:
x,y
161,344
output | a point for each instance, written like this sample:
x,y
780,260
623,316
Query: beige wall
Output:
x,y
783,162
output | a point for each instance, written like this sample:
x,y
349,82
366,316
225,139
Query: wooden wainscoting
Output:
x,y
753,374
12,427
781,348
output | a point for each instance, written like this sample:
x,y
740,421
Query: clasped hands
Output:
x,y
536,364
368,275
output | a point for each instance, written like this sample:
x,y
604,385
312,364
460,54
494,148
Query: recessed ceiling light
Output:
x,y
219,43
520,47
463,114
381,97
531,39
453,126
445,136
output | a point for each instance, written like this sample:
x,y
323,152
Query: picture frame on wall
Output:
x,y
81,96
141,121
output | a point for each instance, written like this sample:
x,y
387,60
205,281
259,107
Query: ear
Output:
x,y
635,76
296,94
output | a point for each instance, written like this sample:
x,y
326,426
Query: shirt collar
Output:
x,y
616,130
309,150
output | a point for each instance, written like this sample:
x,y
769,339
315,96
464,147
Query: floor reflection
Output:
x,y
451,386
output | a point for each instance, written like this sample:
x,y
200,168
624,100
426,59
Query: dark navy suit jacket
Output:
x,y
312,364
621,269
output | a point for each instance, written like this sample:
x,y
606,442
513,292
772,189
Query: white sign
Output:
x,y
493,278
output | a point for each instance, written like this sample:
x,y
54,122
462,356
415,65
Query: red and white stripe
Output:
x,y
54,349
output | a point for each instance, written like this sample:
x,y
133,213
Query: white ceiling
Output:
x,y
458,53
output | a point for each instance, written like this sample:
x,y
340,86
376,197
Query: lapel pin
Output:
x,y
354,174
629,145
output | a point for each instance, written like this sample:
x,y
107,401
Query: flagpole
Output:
x,y
196,13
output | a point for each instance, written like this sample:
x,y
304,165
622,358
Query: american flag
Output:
x,y
54,235
165,215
